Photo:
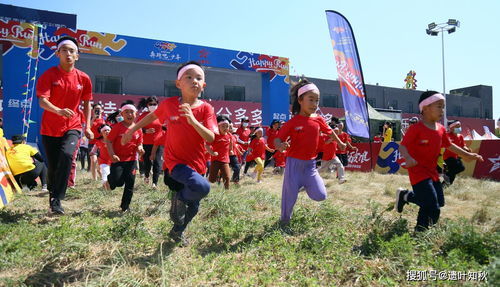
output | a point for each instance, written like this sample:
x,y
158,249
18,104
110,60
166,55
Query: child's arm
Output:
x,y
350,146
410,161
210,150
281,146
140,149
336,138
205,133
153,152
109,146
268,148
142,123
464,154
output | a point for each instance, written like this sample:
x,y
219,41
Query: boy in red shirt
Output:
x,y
271,134
420,148
330,161
219,149
453,162
97,121
124,156
345,138
235,155
190,123
60,90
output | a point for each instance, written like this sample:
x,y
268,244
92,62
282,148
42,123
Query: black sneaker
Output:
x,y
177,209
178,237
55,206
400,199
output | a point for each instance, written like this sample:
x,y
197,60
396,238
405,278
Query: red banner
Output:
x,y
490,167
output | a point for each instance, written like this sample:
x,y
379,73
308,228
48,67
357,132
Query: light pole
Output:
x,y
434,29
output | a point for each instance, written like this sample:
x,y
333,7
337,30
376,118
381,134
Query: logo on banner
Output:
x,y
349,75
262,63
17,34
388,157
495,162
164,46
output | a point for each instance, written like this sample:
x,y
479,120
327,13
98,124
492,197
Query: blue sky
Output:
x,y
390,34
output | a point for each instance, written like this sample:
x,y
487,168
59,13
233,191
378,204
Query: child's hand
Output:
x,y
411,162
140,150
152,157
215,153
115,158
126,137
355,148
474,156
342,146
185,110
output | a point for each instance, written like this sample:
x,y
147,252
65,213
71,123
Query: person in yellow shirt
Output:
x,y
387,132
26,163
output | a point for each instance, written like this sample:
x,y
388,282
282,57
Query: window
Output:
x,y
394,104
372,102
108,85
329,100
475,113
410,107
457,111
171,90
234,93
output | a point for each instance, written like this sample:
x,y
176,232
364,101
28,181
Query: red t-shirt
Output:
x,y
271,135
424,145
258,147
243,135
104,157
304,135
329,149
344,137
457,139
183,144
64,90
127,152
150,138
96,124
221,145
160,140
279,158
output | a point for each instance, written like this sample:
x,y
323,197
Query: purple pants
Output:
x,y
300,173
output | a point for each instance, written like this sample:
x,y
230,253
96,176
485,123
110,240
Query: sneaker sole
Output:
x,y
398,200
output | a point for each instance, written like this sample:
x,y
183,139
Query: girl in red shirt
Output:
x,y
453,162
219,149
190,123
124,156
420,148
104,160
271,134
303,131
257,152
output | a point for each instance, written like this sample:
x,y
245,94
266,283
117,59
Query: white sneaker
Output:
x,y
342,180
44,188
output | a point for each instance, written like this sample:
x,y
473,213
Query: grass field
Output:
x,y
353,238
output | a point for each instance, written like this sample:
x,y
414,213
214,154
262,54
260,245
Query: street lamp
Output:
x,y
434,29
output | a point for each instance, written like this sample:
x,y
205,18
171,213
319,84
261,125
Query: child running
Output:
x,y
219,149
257,152
453,162
330,161
190,123
303,130
420,149
124,155
104,160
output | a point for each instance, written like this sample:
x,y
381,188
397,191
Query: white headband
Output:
x,y
430,100
105,128
457,123
128,107
307,88
188,67
67,42
259,129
